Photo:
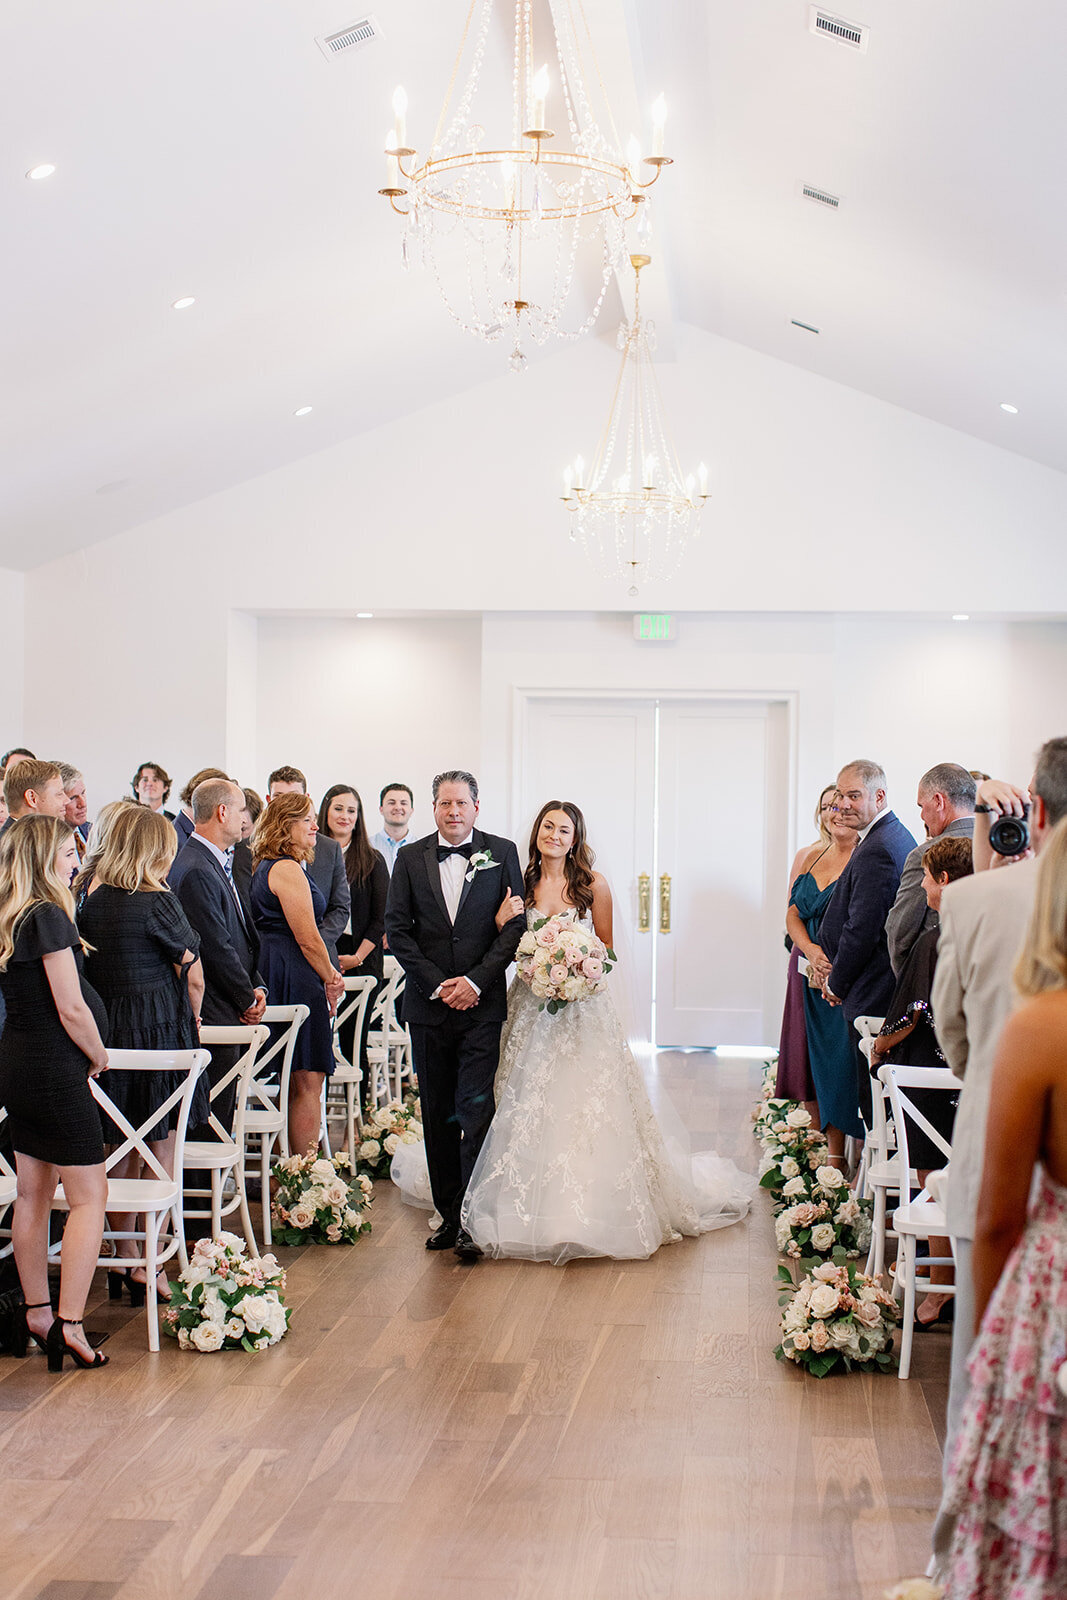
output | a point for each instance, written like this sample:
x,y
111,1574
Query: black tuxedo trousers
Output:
x,y
455,1062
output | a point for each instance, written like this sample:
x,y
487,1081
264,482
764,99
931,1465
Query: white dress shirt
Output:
x,y
453,870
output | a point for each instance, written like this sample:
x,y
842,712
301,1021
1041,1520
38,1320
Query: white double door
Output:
x,y
685,798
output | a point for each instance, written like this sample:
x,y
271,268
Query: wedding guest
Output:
x,y
22,754
77,811
908,1039
184,822
793,1080
151,787
983,923
242,850
360,946
52,1044
96,844
3,809
1005,1480
396,804
829,1045
327,868
853,930
288,908
33,788
946,805
144,963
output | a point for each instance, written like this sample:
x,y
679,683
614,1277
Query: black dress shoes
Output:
x,y
445,1237
465,1247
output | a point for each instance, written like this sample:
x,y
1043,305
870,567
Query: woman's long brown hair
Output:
x,y
359,856
578,866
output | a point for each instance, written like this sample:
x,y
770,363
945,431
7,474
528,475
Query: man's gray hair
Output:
x,y
456,776
870,774
953,781
1050,778
69,775
212,793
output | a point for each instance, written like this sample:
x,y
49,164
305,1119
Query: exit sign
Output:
x,y
657,625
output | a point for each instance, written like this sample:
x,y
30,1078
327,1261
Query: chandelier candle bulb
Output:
x,y
659,118
703,471
392,163
400,112
568,478
540,96
579,472
633,157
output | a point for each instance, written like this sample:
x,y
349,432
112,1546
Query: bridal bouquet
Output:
x,y
316,1203
562,962
836,1317
227,1300
822,1217
384,1132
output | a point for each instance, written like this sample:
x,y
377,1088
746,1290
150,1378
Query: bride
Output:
x,y
575,1162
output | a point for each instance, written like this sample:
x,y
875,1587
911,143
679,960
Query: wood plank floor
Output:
x,y
602,1431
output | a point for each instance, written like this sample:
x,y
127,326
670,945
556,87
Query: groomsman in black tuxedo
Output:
x,y
202,878
441,924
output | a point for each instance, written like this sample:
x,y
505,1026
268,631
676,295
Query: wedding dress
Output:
x,y
576,1162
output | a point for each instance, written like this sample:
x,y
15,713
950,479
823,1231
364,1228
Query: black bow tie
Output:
x,y
446,850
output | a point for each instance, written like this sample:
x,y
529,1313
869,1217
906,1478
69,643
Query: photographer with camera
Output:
x,y
983,922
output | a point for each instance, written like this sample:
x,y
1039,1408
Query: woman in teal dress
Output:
x,y
829,1047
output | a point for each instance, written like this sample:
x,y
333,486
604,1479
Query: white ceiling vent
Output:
x,y
852,34
821,196
360,33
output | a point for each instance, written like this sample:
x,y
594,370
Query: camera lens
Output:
x,y
1010,836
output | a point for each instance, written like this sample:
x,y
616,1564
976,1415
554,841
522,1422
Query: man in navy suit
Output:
x,y
201,877
441,922
853,935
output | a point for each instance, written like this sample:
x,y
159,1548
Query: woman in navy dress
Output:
x,y
287,908
793,1080
829,1046
52,1044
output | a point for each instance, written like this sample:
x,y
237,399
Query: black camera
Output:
x,y
1010,836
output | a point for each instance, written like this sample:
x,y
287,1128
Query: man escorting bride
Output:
x,y
575,1162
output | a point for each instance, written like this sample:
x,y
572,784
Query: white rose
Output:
x,y
384,1115
212,1305
781,1232
409,1136
184,1341
337,1193
823,1302
351,1218
277,1324
234,1329
527,944
801,1340
208,1336
830,1178
823,1236
867,1314
370,1150
790,1168
324,1171
826,1272
254,1309
197,1272
392,1144
301,1216
794,1187
798,1118
846,1212
840,1334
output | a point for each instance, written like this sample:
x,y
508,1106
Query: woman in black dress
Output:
x,y
908,1039
359,949
144,963
287,907
52,1044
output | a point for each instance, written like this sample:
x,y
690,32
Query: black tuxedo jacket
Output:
x,y
430,948
853,935
229,948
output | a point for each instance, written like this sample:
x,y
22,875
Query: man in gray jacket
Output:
x,y
946,805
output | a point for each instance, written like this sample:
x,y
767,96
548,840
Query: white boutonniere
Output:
x,y
480,860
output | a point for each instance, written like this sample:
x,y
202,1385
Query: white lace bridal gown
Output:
x,y
576,1163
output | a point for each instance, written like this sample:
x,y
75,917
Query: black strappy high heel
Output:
x,y
58,1348
115,1281
39,1339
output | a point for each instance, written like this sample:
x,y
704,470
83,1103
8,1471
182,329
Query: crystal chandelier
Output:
x,y
500,219
633,511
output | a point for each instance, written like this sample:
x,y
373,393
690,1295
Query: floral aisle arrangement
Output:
x,y
316,1201
384,1132
562,962
836,1317
792,1148
822,1217
227,1300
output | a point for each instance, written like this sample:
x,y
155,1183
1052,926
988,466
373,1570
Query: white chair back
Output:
x,y
192,1063
898,1080
358,991
265,1094
241,1073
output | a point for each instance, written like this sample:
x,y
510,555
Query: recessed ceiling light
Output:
x,y
1014,410
45,170
365,615
302,411
183,304
961,616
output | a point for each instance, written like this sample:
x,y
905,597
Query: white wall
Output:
x,y
12,656
370,703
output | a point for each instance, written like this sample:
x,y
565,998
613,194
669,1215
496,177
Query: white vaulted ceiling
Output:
x,y
210,149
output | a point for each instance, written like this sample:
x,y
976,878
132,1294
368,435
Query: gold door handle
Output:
x,y
644,903
665,903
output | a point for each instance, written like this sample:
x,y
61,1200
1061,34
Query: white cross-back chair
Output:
x,y
267,1109
347,1075
224,1156
882,1173
389,1058
921,1218
156,1197
867,1028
